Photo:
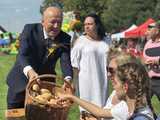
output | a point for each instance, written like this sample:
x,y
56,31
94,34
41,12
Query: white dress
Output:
x,y
90,57
118,111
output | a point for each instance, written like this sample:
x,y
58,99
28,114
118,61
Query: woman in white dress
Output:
x,y
88,56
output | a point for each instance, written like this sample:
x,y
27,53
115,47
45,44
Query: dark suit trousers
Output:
x,y
15,100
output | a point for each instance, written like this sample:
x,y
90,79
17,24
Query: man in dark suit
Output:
x,y
41,45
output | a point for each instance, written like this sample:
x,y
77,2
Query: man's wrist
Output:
x,y
26,69
68,78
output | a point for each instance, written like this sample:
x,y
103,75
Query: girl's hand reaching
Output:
x,y
64,98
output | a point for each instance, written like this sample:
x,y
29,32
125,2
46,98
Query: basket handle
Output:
x,y
46,76
53,76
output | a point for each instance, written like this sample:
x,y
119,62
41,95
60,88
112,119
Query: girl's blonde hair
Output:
x,y
136,76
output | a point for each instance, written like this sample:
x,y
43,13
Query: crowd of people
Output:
x,y
89,63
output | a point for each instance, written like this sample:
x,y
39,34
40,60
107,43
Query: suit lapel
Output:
x,y
41,43
41,35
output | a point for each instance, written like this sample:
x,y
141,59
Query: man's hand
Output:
x,y
32,75
68,86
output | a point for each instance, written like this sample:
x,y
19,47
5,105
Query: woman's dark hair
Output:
x,y
99,25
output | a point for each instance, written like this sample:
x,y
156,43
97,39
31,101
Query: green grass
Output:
x,y
5,64
156,105
7,61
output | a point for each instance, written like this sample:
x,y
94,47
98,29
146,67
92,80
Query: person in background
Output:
x,y
88,58
151,57
132,47
41,45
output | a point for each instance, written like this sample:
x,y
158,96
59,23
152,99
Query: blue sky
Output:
x,y
14,14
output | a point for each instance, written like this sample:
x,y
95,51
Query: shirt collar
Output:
x,y
45,34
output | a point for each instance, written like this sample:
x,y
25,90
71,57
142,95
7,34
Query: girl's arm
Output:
x,y
92,108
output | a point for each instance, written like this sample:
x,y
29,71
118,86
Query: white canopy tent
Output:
x,y
120,35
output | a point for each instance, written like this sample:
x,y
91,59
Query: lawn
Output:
x,y
6,62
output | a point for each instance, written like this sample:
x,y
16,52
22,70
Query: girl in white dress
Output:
x,y
130,83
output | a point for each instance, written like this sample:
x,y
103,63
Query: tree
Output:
x,y
116,14
83,6
157,9
47,3
123,13
86,6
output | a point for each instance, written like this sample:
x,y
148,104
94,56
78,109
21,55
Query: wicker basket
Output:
x,y
35,110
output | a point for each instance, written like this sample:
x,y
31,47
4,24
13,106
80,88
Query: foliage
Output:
x,y
157,9
122,14
116,14
86,6
48,3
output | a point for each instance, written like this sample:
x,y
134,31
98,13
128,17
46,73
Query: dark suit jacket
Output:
x,y
33,52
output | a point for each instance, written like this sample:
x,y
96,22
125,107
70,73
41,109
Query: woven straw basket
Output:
x,y
36,110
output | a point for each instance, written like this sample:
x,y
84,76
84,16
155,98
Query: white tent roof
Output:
x,y
120,35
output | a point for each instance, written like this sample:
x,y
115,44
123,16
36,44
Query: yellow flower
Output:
x,y
52,49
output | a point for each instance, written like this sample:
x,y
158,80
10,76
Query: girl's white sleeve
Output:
x,y
120,111
76,55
